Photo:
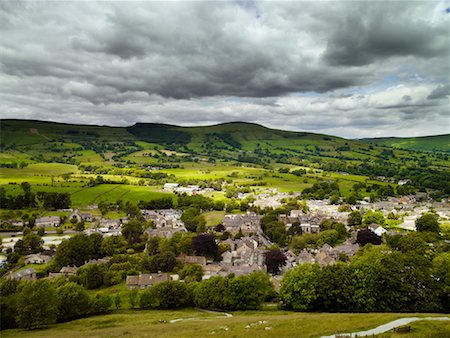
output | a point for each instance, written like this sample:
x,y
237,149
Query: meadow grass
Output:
x,y
195,323
213,217
113,192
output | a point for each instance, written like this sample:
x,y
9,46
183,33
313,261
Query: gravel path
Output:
x,y
385,327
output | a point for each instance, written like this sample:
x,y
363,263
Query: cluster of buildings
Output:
x,y
166,222
189,189
248,223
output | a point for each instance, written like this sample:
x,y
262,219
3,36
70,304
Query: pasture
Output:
x,y
196,323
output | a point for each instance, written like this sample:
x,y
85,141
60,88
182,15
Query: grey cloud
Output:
x,y
207,62
440,91
381,30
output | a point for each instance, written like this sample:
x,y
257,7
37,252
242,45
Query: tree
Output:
x,y
428,222
132,231
329,237
191,273
205,245
248,292
274,260
36,304
113,245
117,301
335,289
73,301
211,293
441,273
193,220
165,295
92,276
298,289
355,218
100,303
376,217
365,236
74,251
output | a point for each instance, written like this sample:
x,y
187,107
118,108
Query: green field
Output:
x,y
241,154
195,323
428,143
113,193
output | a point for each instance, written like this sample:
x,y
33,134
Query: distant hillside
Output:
x,y
425,143
29,132
236,141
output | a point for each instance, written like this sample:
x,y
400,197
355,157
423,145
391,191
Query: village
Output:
x,y
245,241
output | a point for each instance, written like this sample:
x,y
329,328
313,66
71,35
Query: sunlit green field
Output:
x,y
50,177
194,323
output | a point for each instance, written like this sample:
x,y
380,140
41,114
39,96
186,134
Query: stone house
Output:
x,y
26,274
66,272
86,216
37,259
310,228
144,281
201,260
48,221
249,223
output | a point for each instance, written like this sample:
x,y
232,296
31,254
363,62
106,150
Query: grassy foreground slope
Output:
x,y
427,143
193,323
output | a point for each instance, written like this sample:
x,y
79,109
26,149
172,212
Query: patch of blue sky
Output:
x,y
307,94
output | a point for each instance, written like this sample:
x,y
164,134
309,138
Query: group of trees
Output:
x,y
322,190
403,276
42,302
29,199
228,293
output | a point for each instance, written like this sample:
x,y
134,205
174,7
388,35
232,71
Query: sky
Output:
x,y
347,68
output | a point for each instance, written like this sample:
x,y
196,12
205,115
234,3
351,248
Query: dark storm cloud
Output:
x,y
371,33
318,66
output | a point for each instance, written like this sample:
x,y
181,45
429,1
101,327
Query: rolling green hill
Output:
x,y
426,143
137,154
152,143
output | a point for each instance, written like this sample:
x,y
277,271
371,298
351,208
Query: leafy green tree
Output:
x,y
335,288
298,289
74,251
133,298
36,304
193,220
376,217
132,231
73,301
117,301
100,303
428,222
113,245
441,273
92,276
191,273
329,237
8,303
248,292
212,293
165,295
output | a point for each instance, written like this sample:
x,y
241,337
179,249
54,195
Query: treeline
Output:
x,y
29,199
226,293
397,278
33,304
422,177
